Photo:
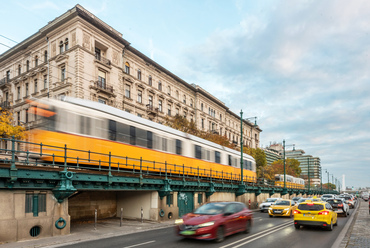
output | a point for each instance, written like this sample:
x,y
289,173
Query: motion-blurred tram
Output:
x,y
91,126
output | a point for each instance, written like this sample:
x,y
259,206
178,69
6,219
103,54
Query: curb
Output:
x,y
341,241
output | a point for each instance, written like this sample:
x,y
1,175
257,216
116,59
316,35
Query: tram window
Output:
x,y
141,137
178,147
85,125
132,135
123,133
217,157
164,144
112,130
198,151
230,162
149,136
208,155
50,122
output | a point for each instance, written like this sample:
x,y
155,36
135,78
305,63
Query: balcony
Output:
x,y
4,83
102,86
151,110
102,60
5,105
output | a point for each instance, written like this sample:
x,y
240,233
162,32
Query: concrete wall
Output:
x,y
133,201
15,223
82,206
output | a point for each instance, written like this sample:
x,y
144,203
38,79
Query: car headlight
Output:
x,y
211,223
270,208
287,209
179,221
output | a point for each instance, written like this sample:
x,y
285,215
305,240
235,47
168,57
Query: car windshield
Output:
x,y
296,198
348,198
211,208
302,200
282,203
311,207
270,200
334,201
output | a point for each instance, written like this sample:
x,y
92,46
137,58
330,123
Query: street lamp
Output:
x,y
285,190
241,140
308,173
326,171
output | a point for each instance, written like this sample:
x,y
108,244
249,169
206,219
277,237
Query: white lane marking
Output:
x,y
139,244
261,236
285,224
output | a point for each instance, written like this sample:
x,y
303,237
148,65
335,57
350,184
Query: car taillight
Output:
x,y
310,203
324,213
340,205
297,212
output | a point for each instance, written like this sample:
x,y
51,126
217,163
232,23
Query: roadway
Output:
x,y
266,232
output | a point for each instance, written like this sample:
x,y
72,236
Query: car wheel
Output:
x,y
248,226
297,226
220,234
345,214
262,211
330,227
336,223
271,216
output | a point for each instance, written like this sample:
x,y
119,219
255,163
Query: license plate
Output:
x,y
308,215
187,232
278,212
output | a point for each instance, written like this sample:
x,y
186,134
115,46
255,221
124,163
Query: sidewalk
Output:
x,y
86,232
358,234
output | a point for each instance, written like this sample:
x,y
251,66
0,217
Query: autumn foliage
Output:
x,y
7,129
277,167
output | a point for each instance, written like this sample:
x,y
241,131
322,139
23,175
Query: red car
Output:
x,y
215,221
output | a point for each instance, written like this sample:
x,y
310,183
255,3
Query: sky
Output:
x,y
300,66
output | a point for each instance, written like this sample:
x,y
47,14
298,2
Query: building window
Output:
x,y
36,61
127,68
45,81
97,53
18,93
46,56
160,105
201,106
169,90
184,99
139,74
7,76
150,81
220,117
140,96
61,47
139,115
169,110
101,79
202,123
177,94
27,65
177,111
27,119
35,86
35,203
26,89
160,86
101,100
62,74
66,44
19,118
151,101
128,91
29,202
19,70
191,102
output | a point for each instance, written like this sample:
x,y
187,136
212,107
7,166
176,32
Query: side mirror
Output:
x,y
228,214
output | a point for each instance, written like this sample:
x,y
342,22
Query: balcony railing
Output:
x,y
4,82
102,59
5,105
104,86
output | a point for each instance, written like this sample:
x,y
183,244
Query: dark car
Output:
x,y
296,199
339,206
215,220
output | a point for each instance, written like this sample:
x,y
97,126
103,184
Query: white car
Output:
x,y
264,206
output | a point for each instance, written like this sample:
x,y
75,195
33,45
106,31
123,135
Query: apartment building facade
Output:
x,y
79,55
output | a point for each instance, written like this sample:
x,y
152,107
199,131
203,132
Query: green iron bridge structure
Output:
x,y
23,169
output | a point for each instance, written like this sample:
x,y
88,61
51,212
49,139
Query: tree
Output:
x,y
7,129
260,157
331,186
277,167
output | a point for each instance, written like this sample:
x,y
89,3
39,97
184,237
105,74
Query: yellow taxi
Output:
x,y
282,208
315,213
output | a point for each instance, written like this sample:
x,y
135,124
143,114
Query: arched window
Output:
x,y
160,86
184,99
201,106
36,61
19,70
46,56
27,65
61,47
139,74
169,90
127,68
177,94
191,102
66,45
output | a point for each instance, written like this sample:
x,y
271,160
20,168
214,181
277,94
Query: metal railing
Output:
x,y
103,85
